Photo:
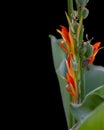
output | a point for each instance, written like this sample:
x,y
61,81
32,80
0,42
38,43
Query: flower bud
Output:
x,y
75,26
82,2
89,50
85,13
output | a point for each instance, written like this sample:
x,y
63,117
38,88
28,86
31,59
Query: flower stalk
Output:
x,y
82,80
70,8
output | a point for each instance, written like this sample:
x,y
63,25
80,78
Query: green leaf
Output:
x,y
94,78
89,104
59,64
61,70
94,121
98,90
57,52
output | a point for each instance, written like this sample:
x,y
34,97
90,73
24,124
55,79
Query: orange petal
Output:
x,y
96,46
72,44
70,80
65,34
96,49
69,65
69,90
72,93
69,61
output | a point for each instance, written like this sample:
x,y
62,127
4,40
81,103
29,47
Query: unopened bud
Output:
x,y
85,13
82,2
75,26
89,50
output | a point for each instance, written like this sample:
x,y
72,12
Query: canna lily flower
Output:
x,y
95,51
71,80
65,35
68,47
70,87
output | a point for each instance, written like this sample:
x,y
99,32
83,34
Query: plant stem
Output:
x,y
71,118
82,69
70,8
82,85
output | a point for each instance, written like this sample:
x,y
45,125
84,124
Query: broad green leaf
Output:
x,y
94,77
82,110
89,104
60,68
57,52
94,121
98,90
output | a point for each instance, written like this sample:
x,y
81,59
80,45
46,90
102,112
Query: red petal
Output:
x,y
68,59
69,90
70,80
65,34
96,46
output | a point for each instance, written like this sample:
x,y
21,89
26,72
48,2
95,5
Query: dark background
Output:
x,y
94,27
54,16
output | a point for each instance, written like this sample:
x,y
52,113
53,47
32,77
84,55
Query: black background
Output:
x,y
55,16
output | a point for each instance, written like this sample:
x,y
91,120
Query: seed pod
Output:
x,y
85,13
89,50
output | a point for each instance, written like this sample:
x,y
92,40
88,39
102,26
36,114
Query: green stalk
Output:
x,y
80,33
70,8
71,118
82,85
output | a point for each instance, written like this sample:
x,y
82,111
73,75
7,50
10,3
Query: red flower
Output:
x,y
65,34
68,46
95,51
71,86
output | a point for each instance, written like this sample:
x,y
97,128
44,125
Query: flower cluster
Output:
x,y
68,46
